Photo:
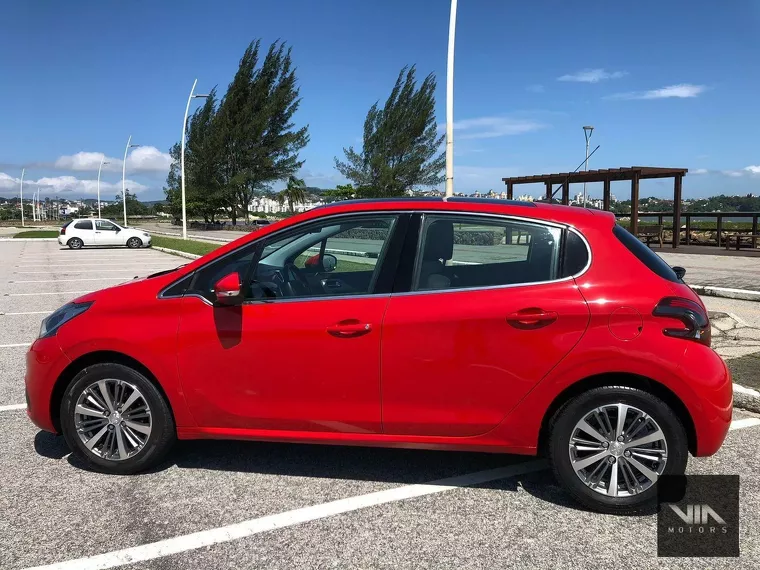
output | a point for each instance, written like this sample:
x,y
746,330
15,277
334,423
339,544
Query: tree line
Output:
x,y
239,145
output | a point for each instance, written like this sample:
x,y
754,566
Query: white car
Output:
x,y
94,231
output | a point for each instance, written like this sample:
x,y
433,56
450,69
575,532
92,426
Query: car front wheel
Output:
x,y
610,445
116,419
134,242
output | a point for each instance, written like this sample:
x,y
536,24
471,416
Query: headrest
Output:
x,y
439,242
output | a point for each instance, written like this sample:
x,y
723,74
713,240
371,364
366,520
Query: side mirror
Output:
x,y
679,271
228,291
329,262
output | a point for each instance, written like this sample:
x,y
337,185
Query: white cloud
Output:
x,y
491,127
142,159
732,173
51,186
752,169
698,171
592,76
680,91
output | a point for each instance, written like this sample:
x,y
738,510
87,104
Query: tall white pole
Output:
x,y
34,206
22,196
450,102
587,132
124,179
102,162
182,162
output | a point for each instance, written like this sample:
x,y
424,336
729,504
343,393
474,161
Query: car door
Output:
x,y
295,356
107,233
488,316
83,230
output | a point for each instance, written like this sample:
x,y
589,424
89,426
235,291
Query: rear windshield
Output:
x,y
649,258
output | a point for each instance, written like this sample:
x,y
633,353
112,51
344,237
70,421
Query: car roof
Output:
x,y
570,215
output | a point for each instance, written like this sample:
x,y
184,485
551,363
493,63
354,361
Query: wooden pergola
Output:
x,y
607,176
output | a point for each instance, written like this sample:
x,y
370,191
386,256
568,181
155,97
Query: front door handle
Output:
x,y
349,328
531,318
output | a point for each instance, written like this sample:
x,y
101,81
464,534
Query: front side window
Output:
x,y
342,256
459,252
83,225
105,225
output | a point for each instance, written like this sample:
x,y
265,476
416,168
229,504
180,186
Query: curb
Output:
x,y
727,293
179,236
176,252
28,239
746,398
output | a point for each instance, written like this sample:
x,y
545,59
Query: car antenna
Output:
x,y
574,171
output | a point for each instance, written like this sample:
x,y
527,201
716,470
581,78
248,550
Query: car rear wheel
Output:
x,y
116,419
134,242
75,243
610,445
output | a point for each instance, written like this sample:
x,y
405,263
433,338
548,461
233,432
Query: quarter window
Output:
x,y
461,251
83,225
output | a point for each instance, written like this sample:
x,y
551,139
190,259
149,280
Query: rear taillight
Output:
x,y
696,324
63,231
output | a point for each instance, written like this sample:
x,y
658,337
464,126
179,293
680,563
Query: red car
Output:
x,y
460,324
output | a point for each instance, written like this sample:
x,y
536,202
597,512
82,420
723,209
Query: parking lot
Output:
x,y
232,505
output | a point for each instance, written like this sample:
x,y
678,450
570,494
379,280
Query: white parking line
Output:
x,y
15,345
65,280
26,313
744,423
207,538
78,265
75,272
12,407
50,293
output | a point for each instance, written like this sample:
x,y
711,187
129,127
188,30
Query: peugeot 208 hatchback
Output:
x,y
462,324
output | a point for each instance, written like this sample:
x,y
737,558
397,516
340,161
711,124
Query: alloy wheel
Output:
x,y
113,419
134,242
618,450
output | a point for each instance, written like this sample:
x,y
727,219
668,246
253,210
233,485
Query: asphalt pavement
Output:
x,y
232,505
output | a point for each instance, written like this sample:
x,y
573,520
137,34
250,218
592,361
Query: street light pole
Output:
x,y
450,102
587,131
22,196
102,162
124,176
182,156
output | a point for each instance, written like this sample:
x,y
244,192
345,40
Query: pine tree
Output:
x,y
258,140
401,149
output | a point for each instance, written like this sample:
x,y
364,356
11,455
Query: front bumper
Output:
x,y
45,362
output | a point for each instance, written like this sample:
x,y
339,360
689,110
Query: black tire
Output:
x,y
163,431
134,243
75,243
563,424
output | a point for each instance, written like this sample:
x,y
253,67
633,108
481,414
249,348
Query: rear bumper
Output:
x,y
711,405
45,362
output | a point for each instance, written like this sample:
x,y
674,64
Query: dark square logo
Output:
x,y
698,515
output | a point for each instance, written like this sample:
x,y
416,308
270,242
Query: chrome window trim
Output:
x,y
422,212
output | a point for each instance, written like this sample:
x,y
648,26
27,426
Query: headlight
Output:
x,y
146,235
53,322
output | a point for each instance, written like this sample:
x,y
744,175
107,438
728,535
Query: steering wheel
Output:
x,y
295,284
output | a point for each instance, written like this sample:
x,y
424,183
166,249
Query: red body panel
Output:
x,y
441,370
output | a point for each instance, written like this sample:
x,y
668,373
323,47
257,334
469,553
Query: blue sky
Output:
x,y
664,83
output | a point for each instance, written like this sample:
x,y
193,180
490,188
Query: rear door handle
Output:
x,y
531,318
349,328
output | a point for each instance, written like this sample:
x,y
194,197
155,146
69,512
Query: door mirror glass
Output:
x,y
329,262
227,290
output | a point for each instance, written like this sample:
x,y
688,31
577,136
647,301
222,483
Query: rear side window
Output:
x,y
649,258
459,252
83,225
575,256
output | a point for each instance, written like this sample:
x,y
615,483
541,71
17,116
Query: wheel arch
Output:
x,y
620,379
90,359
